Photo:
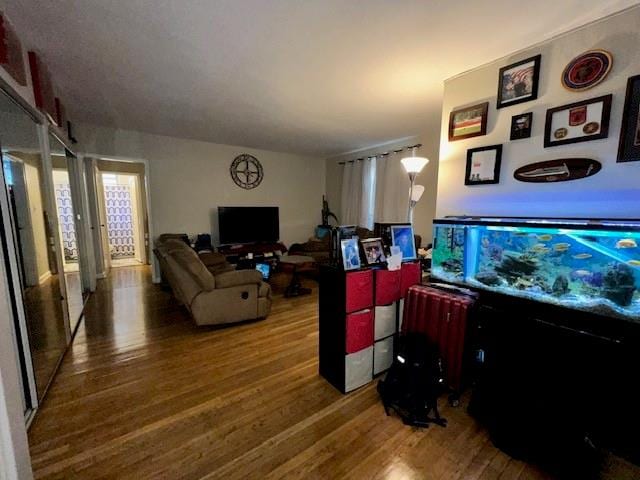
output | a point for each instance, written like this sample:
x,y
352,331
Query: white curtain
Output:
x,y
392,192
351,193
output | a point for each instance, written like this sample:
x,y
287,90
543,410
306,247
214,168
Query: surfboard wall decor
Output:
x,y
560,170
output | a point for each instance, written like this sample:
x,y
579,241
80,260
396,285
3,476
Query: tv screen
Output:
x,y
248,224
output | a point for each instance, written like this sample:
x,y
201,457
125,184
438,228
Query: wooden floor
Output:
x,y
143,393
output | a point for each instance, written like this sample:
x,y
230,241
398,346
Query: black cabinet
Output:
x,y
553,383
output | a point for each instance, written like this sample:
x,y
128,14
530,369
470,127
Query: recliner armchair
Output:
x,y
214,295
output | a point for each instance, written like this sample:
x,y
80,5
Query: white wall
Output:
x,y
425,210
612,193
189,179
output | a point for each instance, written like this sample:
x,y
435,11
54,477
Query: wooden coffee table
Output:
x,y
296,264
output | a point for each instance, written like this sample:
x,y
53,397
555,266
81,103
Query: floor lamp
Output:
x,y
414,165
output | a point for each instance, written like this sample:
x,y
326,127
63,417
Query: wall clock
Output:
x,y
587,70
246,171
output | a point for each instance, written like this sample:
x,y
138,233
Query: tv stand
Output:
x,y
243,250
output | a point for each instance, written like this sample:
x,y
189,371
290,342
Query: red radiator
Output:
x,y
442,316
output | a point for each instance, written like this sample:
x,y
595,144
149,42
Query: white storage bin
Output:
x,y
358,369
385,321
382,355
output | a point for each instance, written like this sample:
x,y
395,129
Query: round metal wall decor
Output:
x,y
246,171
587,70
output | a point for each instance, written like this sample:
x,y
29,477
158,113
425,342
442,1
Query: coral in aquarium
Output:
x,y
619,284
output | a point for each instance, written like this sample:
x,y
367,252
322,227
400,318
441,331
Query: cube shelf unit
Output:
x,y
359,317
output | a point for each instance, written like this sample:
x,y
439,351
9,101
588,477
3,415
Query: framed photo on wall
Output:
x,y
518,82
521,126
402,237
578,122
468,122
483,165
629,147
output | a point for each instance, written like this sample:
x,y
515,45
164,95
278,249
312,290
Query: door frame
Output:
x,y
155,266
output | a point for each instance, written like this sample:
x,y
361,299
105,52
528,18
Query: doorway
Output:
x,y
125,218
119,205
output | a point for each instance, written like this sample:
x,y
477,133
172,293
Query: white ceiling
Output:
x,y
309,76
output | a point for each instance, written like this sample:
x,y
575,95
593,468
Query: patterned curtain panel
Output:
x,y
119,221
67,227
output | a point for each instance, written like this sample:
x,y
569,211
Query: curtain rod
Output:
x,y
383,154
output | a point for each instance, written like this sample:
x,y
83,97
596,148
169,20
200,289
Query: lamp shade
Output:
x,y
414,164
416,193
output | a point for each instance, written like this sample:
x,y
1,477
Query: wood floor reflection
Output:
x,y
46,329
144,393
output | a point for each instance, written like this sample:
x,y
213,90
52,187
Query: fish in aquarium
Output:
x,y
626,243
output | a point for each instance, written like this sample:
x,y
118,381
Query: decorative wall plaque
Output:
x,y
246,171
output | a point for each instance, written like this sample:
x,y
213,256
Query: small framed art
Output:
x,y
518,82
483,165
629,147
521,126
373,251
468,122
578,122
402,237
350,254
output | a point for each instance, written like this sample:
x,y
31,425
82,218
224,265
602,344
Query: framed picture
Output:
x,y
578,122
587,70
629,147
468,122
483,165
373,251
521,126
350,254
402,237
518,82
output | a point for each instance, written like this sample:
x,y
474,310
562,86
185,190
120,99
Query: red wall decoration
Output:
x,y
42,87
11,52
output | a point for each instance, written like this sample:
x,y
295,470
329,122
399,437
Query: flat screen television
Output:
x,y
248,224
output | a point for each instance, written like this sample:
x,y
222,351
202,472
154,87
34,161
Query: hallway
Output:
x,y
144,393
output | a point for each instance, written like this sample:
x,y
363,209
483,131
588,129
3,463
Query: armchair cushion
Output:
x,y
238,277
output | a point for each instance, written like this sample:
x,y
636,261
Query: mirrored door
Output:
x,y
41,329
66,197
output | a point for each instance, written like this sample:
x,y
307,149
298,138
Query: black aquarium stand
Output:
x,y
554,385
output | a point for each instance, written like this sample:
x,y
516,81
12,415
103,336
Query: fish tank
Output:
x,y
589,265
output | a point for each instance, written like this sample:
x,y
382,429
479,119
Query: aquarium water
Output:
x,y
596,270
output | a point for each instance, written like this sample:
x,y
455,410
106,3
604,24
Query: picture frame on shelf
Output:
x,y
468,122
350,254
373,249
629,146
403,238
586,70
483,165
521,126
518,82
578,122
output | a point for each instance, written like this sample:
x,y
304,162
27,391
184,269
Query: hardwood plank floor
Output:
x,y
144,393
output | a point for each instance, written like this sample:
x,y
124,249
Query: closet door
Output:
x,y
68,199
31,262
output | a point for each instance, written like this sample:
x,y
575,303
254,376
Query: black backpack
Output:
x,y
414,382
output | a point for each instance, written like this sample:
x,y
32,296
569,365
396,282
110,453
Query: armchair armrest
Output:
x,y
238,277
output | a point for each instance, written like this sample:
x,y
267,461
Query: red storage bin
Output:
x,y
359,330
410,275
387,286
359,293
